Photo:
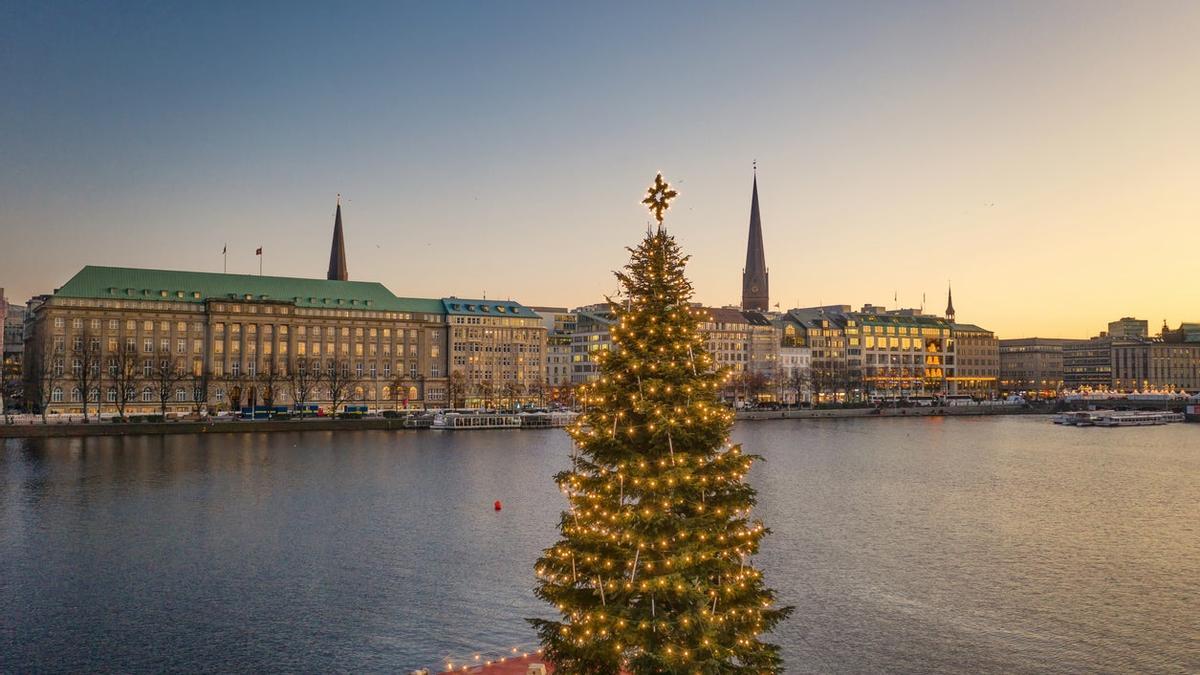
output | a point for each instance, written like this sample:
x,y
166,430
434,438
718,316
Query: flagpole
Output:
x,y
225,258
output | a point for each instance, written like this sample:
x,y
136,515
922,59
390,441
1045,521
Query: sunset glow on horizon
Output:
x,y
1043,158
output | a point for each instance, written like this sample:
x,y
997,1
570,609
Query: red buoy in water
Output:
x,y
497,505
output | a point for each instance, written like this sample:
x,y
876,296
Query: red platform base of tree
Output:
x,y
515,666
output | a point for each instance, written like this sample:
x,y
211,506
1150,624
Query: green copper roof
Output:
x,y
473,307
172,286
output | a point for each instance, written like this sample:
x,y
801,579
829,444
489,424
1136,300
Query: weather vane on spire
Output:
x,y
658,198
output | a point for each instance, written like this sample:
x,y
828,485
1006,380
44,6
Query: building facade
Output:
x,y
138,340
497,352
974,366
560,326
1032,367
1129,327
592,335
1154,364
795,375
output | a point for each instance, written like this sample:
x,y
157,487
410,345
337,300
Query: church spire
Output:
x,y
949,302
337,252
755,294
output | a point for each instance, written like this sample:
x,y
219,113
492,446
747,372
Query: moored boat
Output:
x,y
455,421
1130,418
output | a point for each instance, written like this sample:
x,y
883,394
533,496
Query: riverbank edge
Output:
x,y
940,411
233,427
213,427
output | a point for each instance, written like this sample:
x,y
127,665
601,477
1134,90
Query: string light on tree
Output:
x,y
653,571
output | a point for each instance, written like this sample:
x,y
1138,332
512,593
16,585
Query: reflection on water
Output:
x,y
931,545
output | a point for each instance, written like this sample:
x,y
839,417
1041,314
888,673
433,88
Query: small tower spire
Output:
x,y
949,302
337,252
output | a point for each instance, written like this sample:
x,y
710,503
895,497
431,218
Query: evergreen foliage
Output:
x,y
652,573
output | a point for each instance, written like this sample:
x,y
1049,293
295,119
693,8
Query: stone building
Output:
x,y
726,334
591,336
974,368
1154,364
1087,364
497,351
128,338
1032,367
764,344
904,353
560,325
1129,327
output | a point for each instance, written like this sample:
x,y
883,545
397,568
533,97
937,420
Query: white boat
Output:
x,y
454,421
1131,418
547,420
1075,419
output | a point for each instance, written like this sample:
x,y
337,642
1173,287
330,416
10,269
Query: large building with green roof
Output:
x,y
134,339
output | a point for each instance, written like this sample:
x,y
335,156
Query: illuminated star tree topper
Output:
x,y
658,197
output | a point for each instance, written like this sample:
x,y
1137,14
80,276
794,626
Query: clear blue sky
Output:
x,y
1018,148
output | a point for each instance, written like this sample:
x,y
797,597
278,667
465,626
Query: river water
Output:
x,y
998,544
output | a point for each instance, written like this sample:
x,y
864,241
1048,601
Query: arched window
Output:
x,y
56,396
180,394
112,395
358,393
76,395
94,396
147,395
387,393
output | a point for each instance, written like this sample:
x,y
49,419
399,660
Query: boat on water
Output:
x,y
455,420
1075,419
1118,418
1136,419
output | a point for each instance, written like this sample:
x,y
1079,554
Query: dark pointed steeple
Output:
x,y
755,293
949,302
337,253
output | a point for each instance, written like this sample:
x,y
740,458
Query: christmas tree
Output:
x,y
652,573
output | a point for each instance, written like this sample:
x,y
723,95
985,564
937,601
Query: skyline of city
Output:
x,y
927,304
503,150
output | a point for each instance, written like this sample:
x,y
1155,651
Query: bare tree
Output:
x,y
340,382
537,389
45,372
304,377
456,388
235,391
167,375
200,384
398,390
511,392
85,367
798,381
271,377
754,383
485,391
122,371
8,390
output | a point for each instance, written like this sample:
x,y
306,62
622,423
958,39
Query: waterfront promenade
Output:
x,y
33,428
